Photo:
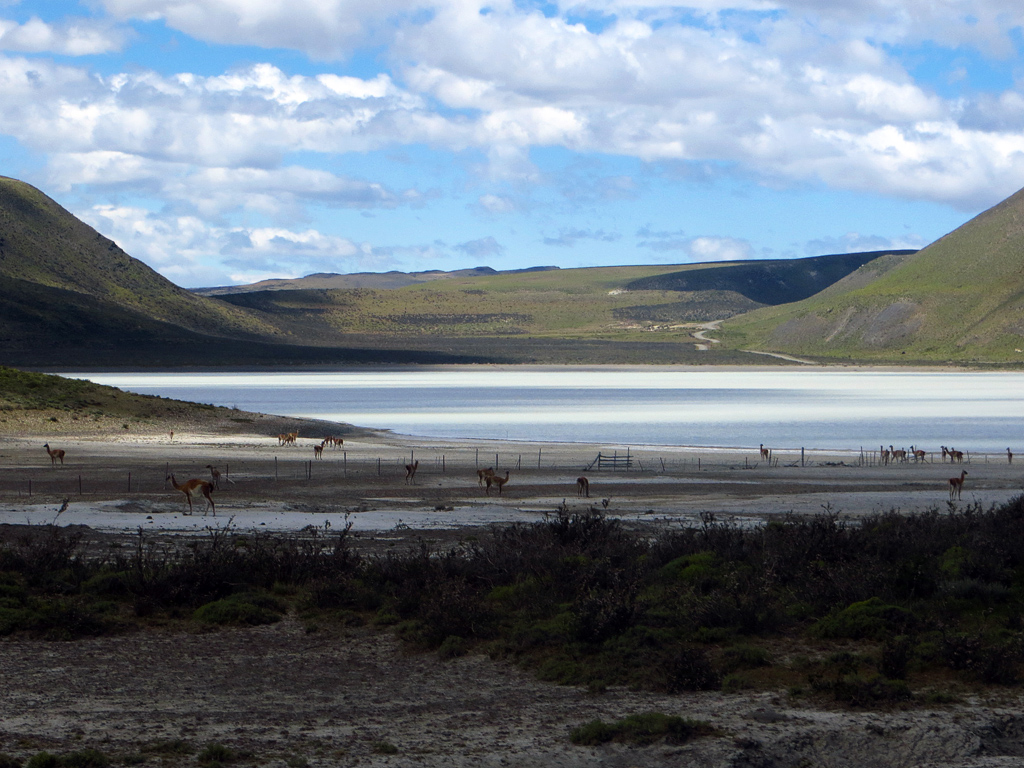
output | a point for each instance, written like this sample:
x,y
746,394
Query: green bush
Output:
x,y
239,609
43,760
6,761
868,619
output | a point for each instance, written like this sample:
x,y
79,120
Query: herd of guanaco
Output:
x,y
491,479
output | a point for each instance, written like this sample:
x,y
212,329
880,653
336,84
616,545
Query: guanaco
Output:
x,y
56,453
765,452
582,486
318,450
190,485
956,484
498,481
483,473
410,471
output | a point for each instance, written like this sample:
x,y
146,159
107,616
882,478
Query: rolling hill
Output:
x,y
960,300
71,297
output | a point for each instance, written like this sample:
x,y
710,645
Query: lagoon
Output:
x,y
715,407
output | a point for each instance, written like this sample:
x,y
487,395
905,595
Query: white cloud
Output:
x,y
191,252
75,37
702,249
324,29
807,92
855,242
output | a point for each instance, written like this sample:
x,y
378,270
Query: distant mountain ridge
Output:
x,y
331,281
778,281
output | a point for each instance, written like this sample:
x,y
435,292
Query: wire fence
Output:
x,y
339,467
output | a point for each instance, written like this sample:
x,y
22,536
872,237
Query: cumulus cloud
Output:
x,y
481,248
191,252
323,29
702,249
567,238
74,37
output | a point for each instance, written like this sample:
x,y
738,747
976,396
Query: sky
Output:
x,y
228,141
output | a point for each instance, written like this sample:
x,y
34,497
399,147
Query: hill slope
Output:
x,y
43,244
961,299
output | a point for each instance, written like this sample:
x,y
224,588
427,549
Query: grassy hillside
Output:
x,y
779,281
571,303
959,300
43,244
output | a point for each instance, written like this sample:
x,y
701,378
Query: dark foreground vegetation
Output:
x,y
897,608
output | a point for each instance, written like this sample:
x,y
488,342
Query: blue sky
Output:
x,y
227,141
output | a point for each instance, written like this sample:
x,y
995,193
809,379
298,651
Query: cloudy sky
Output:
x,y
226,141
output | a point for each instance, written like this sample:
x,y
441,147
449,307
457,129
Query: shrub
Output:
x,y
238,609
214,754
86,758
866,619
689,669
641,730
6,761
43,760
895,657
384,748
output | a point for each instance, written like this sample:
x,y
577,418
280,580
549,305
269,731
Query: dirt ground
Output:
x,y
280,695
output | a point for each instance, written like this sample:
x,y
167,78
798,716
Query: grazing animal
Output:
x,y
56,453
482,474
410,471
1009,456
957,456
582,486
765,452
898,454
917,453
884,455
945,452
215,476
190,485
956,484
498,481
318,451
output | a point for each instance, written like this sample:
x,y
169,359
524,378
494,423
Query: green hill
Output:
x,y
959,300
43,244
71,297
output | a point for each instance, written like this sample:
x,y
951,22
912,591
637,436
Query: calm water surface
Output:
x,y
716,407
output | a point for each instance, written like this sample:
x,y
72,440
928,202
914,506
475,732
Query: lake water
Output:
x,y
792,408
